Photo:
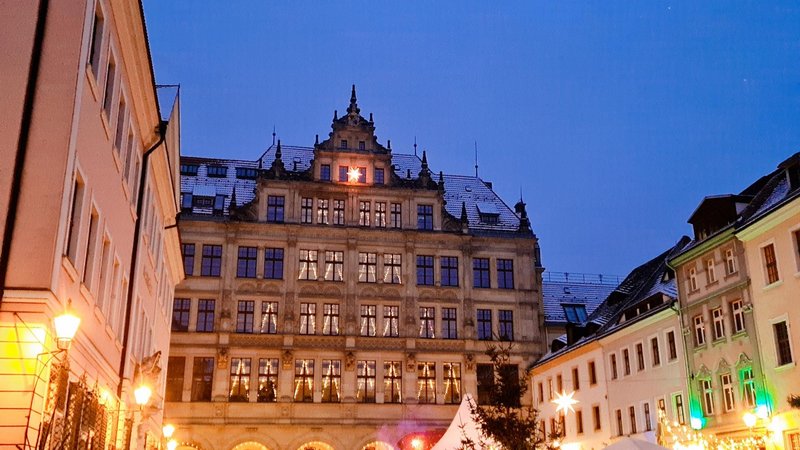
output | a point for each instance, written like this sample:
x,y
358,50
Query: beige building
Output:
x,y
770,232
87,196
342,295
622,364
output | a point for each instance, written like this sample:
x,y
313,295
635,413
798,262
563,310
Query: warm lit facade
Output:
x,y
771,239
341,296
623,364
84,172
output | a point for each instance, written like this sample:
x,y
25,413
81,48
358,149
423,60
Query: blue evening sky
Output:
x,y
614,118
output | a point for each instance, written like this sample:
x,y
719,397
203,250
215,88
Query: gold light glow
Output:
x,y
168,430
172,444
142,394
66,326
749,420
354,174
416,443
565,402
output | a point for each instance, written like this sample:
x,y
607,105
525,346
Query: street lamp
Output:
x,y
172,444
66,326
142,395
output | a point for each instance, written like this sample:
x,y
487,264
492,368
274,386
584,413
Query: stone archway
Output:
x,y
251,445
378,445
316,445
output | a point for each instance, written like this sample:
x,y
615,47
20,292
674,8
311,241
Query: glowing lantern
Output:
x,y
142,395
66,326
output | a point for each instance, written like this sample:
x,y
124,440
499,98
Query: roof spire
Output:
x,y
335,115
316,140
464,219
370,118
415,146
273,134
353,108
424,160
389,144
278,151
476,159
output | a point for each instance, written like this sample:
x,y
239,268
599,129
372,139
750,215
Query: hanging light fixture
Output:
x,y
142,395
66,326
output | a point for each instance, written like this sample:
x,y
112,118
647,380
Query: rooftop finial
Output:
x,y
389,144
335,115
370,118
316,140
476,159
415,146
424,160
273,134
353,108
278,151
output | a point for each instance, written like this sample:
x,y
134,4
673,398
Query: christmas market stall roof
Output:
x,y
230,180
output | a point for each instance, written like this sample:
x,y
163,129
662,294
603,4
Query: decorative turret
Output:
x,y
277,169
464,218
352,132
353,108
425,173
524,222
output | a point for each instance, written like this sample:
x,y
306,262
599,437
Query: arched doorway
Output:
x,y
316,445
249,446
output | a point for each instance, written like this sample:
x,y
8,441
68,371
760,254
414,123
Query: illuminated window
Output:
x,y
391,321
338,212
711,271
699,330
331,380
367,267
426,382
748,387
730,262
239,380
306,210
269,317
365,381
330,319
322,211
380,214
267,380
392,265
308,318
334,265
304,380
677,402
392,382
426,322
728,401
308,265
368,320
719,326
708,397
364,214
452,383
737,313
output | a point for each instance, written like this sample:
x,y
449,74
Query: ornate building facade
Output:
x,y
342,295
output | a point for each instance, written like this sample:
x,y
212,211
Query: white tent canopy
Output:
x,y
462,426
627,443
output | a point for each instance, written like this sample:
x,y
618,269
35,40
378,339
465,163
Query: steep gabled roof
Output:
x,y
573,289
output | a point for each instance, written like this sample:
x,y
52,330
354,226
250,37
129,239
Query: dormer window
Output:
x,y
189,169
246,173
488,213
574,313
217,171
343,143
362,145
